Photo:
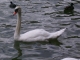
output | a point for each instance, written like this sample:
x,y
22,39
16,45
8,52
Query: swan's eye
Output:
x,y
16,10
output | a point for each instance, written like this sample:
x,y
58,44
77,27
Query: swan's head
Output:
x,y
17,10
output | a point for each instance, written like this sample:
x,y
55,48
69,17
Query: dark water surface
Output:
x,y
46,14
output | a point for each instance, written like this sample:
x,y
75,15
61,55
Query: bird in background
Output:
x,y
12,5
69,8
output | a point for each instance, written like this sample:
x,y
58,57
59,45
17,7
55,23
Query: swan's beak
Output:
x,y
14,13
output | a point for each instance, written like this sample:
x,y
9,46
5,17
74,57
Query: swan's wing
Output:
x,y
35,35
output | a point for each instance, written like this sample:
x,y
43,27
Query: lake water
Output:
x,y
45,14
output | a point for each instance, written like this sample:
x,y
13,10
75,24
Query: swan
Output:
x,y
70,59
33,35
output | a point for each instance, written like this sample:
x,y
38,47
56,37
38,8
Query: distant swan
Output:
x,y
33,35
70,59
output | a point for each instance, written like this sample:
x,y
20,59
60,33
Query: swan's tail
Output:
x,y
57,34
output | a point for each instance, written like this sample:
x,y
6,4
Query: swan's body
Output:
x,y
33,35
70,59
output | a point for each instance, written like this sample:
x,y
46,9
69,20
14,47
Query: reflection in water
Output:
x,y
55,42
17,47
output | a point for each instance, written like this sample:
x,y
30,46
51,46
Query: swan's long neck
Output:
x,y
18,25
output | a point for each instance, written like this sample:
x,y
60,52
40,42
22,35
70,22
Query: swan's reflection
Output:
x,y
17,47
55,42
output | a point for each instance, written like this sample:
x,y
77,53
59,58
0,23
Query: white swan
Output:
x,y
33,35
70,59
